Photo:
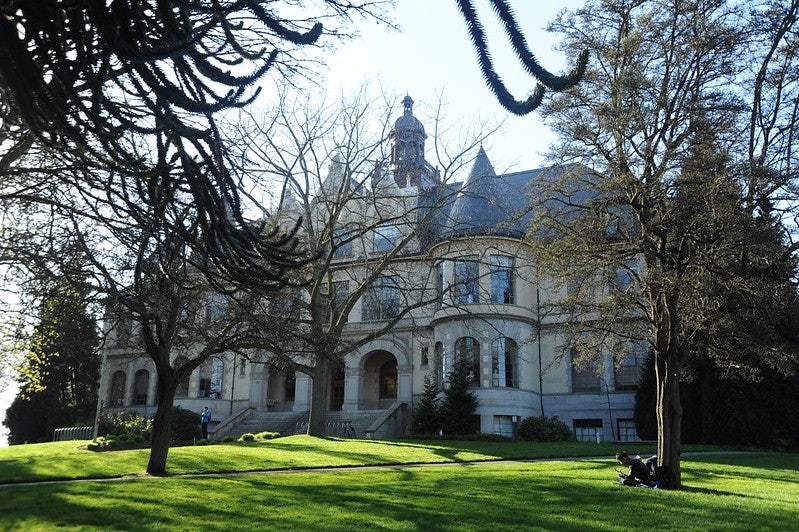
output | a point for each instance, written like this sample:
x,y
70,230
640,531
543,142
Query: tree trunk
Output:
x,y
161,438
319,391
669,414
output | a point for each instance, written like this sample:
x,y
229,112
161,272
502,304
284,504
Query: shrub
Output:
x,y
488,436
185,424
228,439
126,423
247,436
201,442
545,429
266,435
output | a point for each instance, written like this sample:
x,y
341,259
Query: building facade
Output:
x,y
464,242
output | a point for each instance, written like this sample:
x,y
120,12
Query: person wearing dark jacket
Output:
x,y
639,473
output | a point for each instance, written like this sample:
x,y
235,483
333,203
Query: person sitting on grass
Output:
x,y
639,473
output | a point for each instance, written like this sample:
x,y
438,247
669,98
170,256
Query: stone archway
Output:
x,y
380,380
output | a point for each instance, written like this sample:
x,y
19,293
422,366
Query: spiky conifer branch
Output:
x,y
80,75
544,78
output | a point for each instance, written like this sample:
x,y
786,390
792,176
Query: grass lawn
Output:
x,y
752,491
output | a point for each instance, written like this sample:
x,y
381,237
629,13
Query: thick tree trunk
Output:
x,y
669,415
319,393
161,438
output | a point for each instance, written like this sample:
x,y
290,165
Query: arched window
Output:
x,y
141,381
388,380
468,349
183,386
211,372
504,354
117,392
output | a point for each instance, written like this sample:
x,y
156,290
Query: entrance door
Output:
x,y
337,388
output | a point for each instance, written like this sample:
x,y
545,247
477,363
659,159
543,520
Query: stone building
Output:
x,y
466,242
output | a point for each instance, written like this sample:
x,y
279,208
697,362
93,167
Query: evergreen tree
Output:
x,y
60,373
459,405
426,413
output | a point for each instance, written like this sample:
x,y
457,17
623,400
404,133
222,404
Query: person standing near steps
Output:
x,y
205,418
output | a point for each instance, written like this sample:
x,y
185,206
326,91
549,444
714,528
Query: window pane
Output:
x,y
503,425
385,238
585,379
502,279
211,372
140,384
342,246
217,306
503,363
382,300
469,349
466,281
628,373
117,397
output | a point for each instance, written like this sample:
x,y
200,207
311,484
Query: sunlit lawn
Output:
x,y
64,460
753,491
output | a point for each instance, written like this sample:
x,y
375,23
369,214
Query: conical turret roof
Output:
x,y
486,203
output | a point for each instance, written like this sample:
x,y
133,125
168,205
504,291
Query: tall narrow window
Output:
x,y
382,300
468,349
211,373
504,354
441,364
141,381
502,279
118,382
466,283
442,286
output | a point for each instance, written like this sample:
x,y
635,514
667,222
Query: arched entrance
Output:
x,y
379,380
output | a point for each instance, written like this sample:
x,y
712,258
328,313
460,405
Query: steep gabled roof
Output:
x,y
485,204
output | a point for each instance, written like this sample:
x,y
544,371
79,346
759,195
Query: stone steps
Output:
x,y
288,423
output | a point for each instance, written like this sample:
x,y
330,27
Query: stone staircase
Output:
x,y
288,423
282,422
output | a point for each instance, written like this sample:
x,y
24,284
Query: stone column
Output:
x,y
302,399
259,379
405,384
353,389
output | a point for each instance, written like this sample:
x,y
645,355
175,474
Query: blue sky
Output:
x,y
433,55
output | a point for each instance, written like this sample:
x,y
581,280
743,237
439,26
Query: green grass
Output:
x,y
752,491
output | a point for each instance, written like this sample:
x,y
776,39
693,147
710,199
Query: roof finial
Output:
x,y
407,102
